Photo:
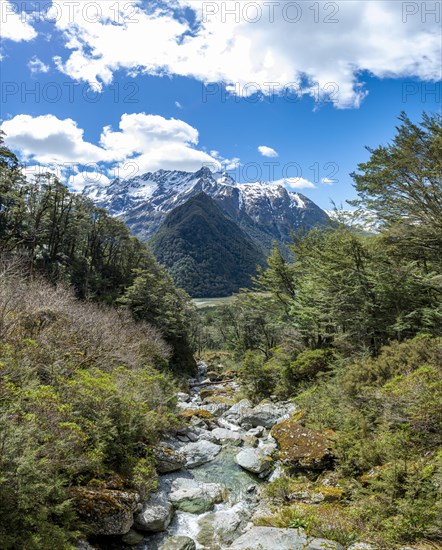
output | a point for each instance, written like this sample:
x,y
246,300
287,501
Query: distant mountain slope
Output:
x,y
205,252
265,211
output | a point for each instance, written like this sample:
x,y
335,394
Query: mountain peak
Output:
x,y
204,250
265,209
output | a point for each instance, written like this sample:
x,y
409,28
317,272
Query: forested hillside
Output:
x,y
205,252
351,333
67,239
91,330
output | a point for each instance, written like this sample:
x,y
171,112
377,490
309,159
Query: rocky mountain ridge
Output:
x,y
266,211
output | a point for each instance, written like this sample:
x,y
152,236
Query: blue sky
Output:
x,y
171,86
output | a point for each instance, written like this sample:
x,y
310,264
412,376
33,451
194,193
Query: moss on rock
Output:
x,y
301,447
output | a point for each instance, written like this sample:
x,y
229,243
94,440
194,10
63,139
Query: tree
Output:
x,y
153,298
402,184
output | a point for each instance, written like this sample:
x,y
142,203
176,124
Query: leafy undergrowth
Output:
x,y
81,405
386,414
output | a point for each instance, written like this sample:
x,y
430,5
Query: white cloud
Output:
x,y
47,139
328,181
267,151
13,23
294,183
36,66
259,46
142,143
78,181
178,105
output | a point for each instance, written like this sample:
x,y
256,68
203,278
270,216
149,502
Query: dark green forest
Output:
x,y
206,253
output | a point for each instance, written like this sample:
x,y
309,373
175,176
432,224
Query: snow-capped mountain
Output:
x,y
361,220
266,211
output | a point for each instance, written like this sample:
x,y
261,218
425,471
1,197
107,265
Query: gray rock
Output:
x,y
363,546
183,396
277,473
206,435
200,452
192,436
266,414
197,422
132,538
253,460
268,447
178,542
239,407
228,423
156,514
272,538
257,432
250,441
216,408
168,460
219,529
224,436
190,496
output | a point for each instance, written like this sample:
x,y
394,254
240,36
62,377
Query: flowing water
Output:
x,y
223,470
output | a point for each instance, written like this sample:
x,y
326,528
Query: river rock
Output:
x,y
219,529
253,460
105,511
200,452
272,538
190,496
179,542
250,441
265,414
228,424
224,436
257,432
277,473
301,447
156,514
216,408
168,460
181,396
239,407
206,435
132,538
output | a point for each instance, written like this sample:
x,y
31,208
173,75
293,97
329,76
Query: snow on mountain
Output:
x,y
267,211
358,219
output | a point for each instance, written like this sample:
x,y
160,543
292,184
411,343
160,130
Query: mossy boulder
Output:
x,y
301,447
105,511
200,413
167,460
191,496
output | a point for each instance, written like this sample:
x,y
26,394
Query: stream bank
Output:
x,y
213,470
